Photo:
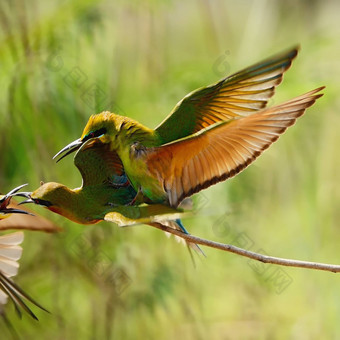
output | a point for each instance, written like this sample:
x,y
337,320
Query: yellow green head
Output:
x,y
104,125
53,196
70,203
111,129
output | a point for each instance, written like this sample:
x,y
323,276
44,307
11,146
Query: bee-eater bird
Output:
x,y
211,135
104,194
10,253
235,96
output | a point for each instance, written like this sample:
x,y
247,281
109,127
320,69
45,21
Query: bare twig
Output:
x,y
252,255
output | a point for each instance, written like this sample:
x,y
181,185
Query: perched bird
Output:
x,y
238,95
10,253
104,194
211,135
101,197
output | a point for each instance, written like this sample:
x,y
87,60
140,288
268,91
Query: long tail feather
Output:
x,y
16,294
191,245
10,253
177,224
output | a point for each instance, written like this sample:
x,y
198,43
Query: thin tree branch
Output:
x,y
250,254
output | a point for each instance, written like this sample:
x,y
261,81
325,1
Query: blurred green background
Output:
x,y
61,61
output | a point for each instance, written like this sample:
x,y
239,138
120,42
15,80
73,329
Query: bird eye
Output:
x,y
94,134
101,132
42,202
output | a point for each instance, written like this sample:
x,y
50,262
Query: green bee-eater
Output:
x,y
104,194
235,96
212,134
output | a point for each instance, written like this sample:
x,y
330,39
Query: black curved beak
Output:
x,y
4,202
15,211
28,196
37,202
14,192
75,145
29,200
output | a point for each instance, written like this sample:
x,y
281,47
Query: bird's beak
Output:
x,y
7,198
28,196
13,192
41,202
75,145
15,211
29,200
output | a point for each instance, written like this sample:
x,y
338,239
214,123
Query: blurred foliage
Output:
x,y
64,60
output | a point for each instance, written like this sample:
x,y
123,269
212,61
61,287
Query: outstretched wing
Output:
x,y
222,150
238,95
98,164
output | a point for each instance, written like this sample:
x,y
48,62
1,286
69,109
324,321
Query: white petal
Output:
x,y
11,252
8,267
3,298
12,239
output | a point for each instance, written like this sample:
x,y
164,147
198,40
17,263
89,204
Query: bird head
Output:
x,y
61,200
104,126
50,195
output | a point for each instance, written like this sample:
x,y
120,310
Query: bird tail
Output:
x,y
177,224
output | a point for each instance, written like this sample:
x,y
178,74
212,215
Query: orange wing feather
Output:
x,y
238,95
221,151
